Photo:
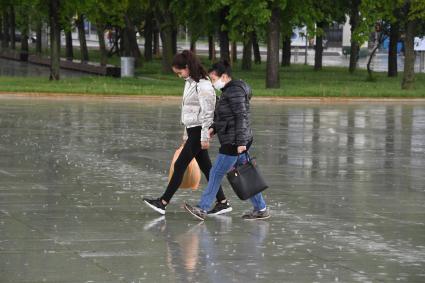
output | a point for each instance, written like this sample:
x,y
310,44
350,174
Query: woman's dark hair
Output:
x,y
220,68
189,60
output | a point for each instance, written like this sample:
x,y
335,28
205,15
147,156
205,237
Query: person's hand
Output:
x,y
205,144
211,133
241,149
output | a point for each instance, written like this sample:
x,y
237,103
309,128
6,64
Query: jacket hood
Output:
x,y
240,84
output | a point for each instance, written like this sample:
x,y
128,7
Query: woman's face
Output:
x,y
181,73
214,77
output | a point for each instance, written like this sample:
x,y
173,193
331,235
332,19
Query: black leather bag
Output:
x,y
246,180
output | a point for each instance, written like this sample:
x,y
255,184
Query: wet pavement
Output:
x,y
25,69
347,195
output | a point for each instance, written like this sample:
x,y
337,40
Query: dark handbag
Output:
x,y
246,180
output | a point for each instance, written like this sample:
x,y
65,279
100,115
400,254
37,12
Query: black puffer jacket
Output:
x,y
231,116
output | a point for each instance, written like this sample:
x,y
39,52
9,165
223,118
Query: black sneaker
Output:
x,y
155,204
257,215
220,208
195,211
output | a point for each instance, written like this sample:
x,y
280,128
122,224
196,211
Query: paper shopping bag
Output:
x,y
192,175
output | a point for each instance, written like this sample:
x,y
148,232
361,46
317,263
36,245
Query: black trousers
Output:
x,y
192,149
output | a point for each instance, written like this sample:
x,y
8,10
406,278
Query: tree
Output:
x,y
165,17
273,29
256,48
415,15
354,6
6,31
295,14
410,14
55,40
79,22
318,48
392,49
243,19
325,12
105,14
148,34
23,9
12,22
223,35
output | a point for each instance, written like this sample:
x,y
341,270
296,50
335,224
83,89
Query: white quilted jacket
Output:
x,y
198,106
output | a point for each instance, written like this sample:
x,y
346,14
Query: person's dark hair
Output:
x,y
220,68
189,60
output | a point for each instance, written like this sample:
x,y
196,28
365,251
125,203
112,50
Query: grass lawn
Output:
x,y
296,81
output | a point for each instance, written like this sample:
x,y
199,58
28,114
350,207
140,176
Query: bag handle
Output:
x,y
248,157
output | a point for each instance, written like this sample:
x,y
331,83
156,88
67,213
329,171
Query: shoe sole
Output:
x,y
191,212
160,211
258,218
227,210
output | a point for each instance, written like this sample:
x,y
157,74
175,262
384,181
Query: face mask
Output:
x,y
219,84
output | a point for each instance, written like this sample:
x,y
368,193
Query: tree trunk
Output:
x,y
354,56
24,36
224,36
167,48
125,43
247,53
12,27
193,44
211,48
409,56
174,37
318,53
372,54
286,51
272,75
166,25
234,51
55,40
224,46
256,48
156,43
5,38
392,50
102,45
148,38
318,49
68,45
38,32
131,40
82,37
355,47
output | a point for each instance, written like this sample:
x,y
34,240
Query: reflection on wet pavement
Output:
x,y
347,196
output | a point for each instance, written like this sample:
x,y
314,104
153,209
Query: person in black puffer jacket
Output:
x,y
233,128
197,115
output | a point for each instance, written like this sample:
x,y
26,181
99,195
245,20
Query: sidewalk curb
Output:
x,y
171,98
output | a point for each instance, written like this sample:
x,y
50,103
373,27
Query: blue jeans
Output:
x,y
223,164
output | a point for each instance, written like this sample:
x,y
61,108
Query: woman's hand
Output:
x,y
241,149
211,133
205,144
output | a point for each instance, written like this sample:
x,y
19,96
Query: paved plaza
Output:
x,y
347,195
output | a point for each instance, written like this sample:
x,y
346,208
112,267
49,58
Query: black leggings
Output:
x,y
192,149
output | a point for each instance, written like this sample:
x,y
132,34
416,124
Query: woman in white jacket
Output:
x,y
197,116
